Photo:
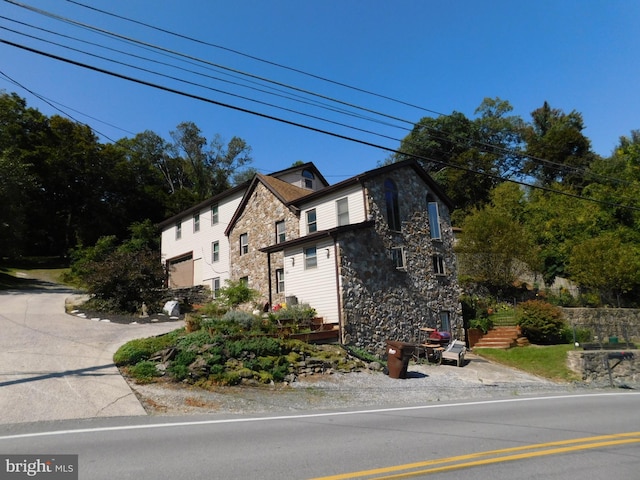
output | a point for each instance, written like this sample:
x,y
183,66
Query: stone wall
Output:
x,y
380,302
592,367
623,323
258,220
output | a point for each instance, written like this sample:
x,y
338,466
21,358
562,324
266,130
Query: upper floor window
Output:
x,y
281,234
215,251
438,265
434,217
310,258
393,207
196,222
312,225
244,243
178,230
308,178
214,214
342,210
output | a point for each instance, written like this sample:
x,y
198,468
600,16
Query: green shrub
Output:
x,y
141,349
245,320
144,371
179,371
485,324
259,346
541,322
194,340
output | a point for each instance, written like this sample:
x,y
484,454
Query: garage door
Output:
x,y
181,272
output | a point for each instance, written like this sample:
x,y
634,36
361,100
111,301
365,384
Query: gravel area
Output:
x,y
478,379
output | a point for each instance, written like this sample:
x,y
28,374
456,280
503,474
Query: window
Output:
x,y
280,280
215,252
244,281
310,258
434,217
312,225
196,222
398,258
308,177
244,243
281,234
393,207
178,230
438,264
214,214
342,209
216,287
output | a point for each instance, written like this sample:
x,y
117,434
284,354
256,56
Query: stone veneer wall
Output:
x,y
381,303
606,322
592,367
258,220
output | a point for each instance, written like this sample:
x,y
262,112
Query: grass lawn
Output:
x,y
544,361
29,274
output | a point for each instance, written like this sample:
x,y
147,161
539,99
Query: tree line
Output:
x,y
567,212
62,189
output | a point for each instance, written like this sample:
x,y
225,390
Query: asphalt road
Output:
x,y
576,437
56,366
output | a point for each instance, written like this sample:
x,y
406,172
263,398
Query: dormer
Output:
x,y
305,175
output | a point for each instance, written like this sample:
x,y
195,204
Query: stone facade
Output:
x,y
381,302
623,323
594,367
377,301
258,221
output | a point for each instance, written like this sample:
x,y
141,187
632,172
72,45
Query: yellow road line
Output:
x,y
536,450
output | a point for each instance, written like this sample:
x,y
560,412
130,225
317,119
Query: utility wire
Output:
x,y
295,98
502,150
435,133
490,147
252,57
306,127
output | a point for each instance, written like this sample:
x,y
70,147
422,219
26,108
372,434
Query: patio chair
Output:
x,y
454,351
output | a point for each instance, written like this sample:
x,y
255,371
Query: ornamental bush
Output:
x,y
541,322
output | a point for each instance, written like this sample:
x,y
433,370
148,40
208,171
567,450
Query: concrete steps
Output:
x,y
502,337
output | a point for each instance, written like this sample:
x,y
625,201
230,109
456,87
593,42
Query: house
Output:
x,y
372,254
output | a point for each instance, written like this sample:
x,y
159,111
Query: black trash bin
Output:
x,y
398,356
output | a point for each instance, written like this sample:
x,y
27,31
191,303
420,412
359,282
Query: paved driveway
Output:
x,y
56,366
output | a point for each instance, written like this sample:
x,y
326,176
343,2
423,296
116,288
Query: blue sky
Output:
x,y
439,56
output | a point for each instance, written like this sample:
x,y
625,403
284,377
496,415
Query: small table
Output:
x,y
432,352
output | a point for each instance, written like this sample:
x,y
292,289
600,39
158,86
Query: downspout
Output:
x,y
336,253
269,279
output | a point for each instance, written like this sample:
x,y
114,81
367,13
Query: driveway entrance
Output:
x,y
56,366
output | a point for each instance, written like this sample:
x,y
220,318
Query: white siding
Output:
x,y
326,212
316,286
200,242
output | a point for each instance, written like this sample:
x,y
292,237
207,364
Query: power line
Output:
x,y
252,57
434,132
307,127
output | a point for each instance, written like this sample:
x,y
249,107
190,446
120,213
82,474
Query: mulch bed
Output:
x,y
124,319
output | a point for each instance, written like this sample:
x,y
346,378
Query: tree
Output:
x,y
467,157
209,168
608,265
495,249
556,148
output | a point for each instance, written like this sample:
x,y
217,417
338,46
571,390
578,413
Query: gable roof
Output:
x,y
283,191
205,203
305,166
412,163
